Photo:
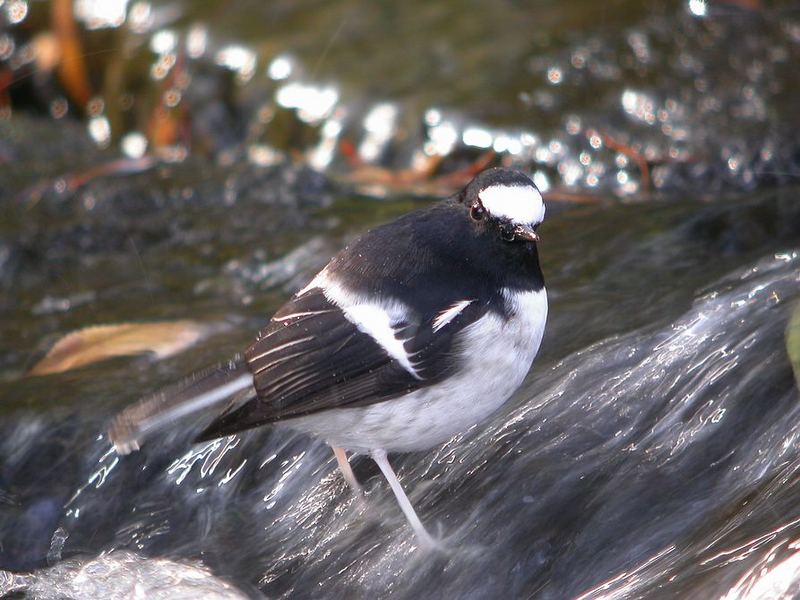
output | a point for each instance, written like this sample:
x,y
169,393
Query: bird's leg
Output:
x,y
347,471
423,537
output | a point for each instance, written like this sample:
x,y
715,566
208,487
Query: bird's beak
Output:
x,y
526,232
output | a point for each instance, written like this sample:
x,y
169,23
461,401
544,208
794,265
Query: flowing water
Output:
x,y
653,450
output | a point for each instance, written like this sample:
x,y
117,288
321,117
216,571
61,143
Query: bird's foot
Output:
x,y
428,543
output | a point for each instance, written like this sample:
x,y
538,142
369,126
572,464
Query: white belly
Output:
x,y
501,356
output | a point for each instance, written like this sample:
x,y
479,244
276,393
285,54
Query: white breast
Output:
x,y
496,355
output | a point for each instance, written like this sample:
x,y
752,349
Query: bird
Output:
x,y
413,333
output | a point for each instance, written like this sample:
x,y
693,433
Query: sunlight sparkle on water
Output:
x,y
477,136
101,14
554,75
197,41
263,156
639,105
322,155
698,7
380,127
570,171
442,136
507,143
134,144
541,181
433,116
238,58
140,17
100,130
313,103
16,11
281,67
164,41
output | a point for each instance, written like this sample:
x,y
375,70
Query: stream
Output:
x,y
653,450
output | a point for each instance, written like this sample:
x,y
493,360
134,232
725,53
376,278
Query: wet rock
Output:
x,y
121,575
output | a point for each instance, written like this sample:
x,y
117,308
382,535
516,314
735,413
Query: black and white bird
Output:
x,y
413,333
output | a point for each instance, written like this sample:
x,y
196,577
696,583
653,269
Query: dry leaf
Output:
x,y
100,342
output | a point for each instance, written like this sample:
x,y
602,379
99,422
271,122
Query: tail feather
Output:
x,y
218,388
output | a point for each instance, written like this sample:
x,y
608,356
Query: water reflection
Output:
x,y
122,574
101,14
16,11
698,7
379,126
239,59
666,453
281,67
140,18
313,103
665,70
478,137
100,130
197,42
665,456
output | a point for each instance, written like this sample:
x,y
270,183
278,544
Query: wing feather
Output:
x,y
311,357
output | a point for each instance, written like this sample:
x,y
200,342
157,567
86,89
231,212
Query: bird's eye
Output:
x,y
507,234
476,212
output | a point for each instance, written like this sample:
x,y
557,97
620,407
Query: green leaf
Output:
x,y
793,341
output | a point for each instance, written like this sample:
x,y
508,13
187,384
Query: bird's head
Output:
x,y
506,203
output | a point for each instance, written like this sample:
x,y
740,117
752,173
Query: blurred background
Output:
x,y
172,171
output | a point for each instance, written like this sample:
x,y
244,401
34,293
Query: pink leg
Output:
x,y
423,537
344,467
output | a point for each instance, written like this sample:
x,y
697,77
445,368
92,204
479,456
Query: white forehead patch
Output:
x,y
521,204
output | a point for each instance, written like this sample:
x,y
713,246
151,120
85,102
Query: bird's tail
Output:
x,y
215,389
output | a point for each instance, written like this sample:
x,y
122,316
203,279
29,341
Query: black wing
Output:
x,y
311,357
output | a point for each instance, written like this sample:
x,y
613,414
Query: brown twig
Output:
x,y
72,68
458,179
73,181
574,197
632,153
420,179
